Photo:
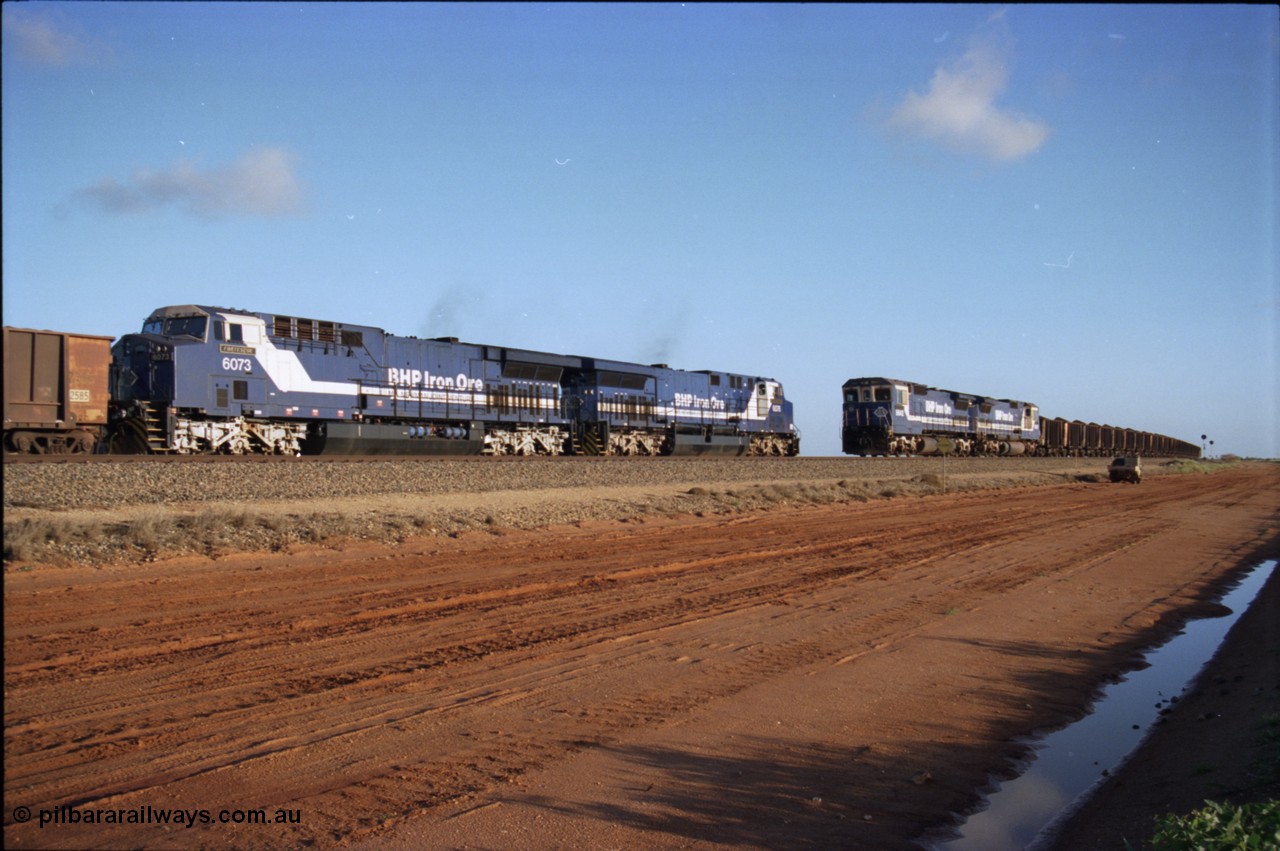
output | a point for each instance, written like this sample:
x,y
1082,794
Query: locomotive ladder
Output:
x,y
588,443
153,422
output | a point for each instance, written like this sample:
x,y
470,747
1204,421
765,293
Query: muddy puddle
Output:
x,y
1024,812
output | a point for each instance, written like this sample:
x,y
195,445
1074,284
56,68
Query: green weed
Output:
x,y
1219,827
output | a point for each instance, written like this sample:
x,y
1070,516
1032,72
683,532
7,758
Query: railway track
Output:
x,y
14,458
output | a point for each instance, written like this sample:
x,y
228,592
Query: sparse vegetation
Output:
x,y
44,521
1202,466
1221,827
1271,729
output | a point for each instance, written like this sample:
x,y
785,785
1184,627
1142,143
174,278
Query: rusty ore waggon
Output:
x,y
55,391
1060,437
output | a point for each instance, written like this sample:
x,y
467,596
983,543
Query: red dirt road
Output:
x,y
825,676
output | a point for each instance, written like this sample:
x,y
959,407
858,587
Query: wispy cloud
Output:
x,y
260,183
47,40
959,108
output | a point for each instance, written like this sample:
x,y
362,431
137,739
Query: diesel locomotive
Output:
x,y
886,416
202,379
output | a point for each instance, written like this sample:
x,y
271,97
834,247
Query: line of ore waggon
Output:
x,y
201,380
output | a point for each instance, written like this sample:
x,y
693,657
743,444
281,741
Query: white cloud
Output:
x,y
46,41
959,109
260,183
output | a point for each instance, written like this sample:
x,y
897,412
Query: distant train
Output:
x,y
201,379
885,416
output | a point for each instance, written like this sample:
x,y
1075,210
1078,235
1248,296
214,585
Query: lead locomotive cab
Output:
x,y
870,408
193,381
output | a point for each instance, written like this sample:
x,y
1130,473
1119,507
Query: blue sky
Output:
x,y
1070,205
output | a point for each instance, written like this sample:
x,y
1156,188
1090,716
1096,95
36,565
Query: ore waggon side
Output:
x,y
885,416
55,391
203,379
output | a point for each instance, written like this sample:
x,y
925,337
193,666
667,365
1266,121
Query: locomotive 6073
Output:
x,y
210,379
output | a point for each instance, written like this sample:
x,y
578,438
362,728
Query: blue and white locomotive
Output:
x,y
201,379
885,416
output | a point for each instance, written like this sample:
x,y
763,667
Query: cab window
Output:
x,y
186,326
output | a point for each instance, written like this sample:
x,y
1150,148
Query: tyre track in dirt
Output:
x,y
374,684
476,642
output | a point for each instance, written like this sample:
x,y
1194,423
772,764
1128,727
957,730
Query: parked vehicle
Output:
x,y
1126,468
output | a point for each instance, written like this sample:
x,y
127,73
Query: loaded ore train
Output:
x,y
201,379
212,380
885,416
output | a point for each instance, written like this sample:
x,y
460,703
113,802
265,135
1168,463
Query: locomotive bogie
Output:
x,y
528,440
236,436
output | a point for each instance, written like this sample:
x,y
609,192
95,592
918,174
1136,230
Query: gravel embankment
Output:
x,y
95,485
104,512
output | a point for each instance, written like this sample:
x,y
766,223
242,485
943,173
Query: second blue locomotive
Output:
x,y
201,379
886,416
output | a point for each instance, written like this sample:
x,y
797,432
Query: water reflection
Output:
x,y
1071,761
